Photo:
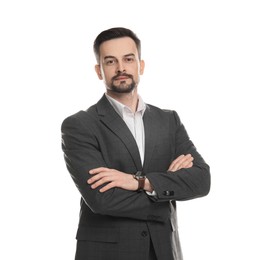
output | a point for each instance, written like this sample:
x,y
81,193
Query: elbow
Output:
x,y
99,203
95,207
205,183
201,183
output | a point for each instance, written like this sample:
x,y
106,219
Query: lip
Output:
x,y
121,78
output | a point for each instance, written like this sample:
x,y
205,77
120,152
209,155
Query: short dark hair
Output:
x,y
113,33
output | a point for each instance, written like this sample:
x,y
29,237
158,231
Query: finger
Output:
x,y
101,181
178,161
98,170
97,177
186,163
179,158
182,162
172,165
189,165
185,166
108,187
184,159
175,167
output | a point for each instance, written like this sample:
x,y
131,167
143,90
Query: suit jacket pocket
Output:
x,y
98,234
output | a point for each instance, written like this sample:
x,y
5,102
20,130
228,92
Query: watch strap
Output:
x,y
141,180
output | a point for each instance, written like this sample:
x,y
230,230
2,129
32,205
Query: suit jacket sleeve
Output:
x,y
82,152
183,184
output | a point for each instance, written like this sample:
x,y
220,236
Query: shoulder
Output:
x,y
154,109
167,114
82,117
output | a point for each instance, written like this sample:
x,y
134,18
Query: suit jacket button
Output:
x,y
144,233
168,193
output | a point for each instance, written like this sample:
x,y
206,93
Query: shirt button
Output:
x,y
144,233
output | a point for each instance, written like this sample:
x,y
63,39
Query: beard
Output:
x,y
122,87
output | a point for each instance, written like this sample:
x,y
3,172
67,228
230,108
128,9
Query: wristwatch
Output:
x,y
140,177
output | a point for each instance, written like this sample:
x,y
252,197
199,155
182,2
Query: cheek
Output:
x,y
104,74
108,77
109,72
136,74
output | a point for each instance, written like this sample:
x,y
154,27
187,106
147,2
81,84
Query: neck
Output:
x,y
128,99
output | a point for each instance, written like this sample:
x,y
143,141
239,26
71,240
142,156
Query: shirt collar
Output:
x,y
121,108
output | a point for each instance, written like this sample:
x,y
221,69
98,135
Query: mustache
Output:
x,y
122,75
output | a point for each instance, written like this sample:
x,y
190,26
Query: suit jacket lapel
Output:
x,y
151,135
115,123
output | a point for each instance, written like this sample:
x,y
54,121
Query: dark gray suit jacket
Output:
x,y
120,224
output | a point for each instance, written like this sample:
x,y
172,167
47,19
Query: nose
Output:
x,y
120,68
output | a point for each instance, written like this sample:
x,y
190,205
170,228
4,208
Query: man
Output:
x,y
128,160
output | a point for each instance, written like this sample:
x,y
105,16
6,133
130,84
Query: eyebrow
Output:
x,y
113,57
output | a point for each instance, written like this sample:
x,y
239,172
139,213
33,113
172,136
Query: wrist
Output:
x,y
141,179
148,187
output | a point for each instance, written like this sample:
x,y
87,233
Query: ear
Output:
x,y
142,67
98,71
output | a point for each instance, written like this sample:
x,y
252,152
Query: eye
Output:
x,y
110,62
129,59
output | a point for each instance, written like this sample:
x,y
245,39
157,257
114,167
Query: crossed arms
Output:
x,y
110,192
113,178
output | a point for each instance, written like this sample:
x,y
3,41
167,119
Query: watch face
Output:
x,y
138,174
140,177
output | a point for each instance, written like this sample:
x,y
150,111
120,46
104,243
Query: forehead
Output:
x,y
118,47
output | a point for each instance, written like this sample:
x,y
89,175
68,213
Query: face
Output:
x,y
119,67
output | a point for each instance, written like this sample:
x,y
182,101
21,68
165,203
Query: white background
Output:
x,y
199,61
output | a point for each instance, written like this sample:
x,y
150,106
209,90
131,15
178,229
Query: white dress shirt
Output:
x,y
134,121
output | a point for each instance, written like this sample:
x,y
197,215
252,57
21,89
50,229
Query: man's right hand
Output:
x,y
182,161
